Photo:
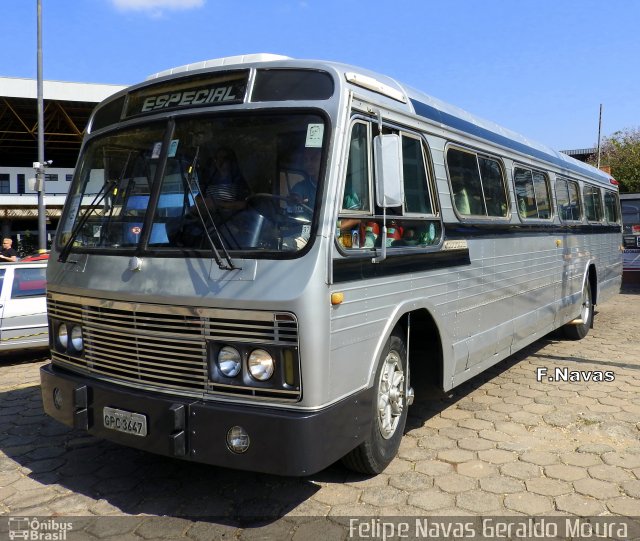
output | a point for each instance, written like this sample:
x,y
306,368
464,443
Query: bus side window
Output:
x,y
356,201
416,189
477,184
493,185
412,224
532,193
562,200
465,182
574,198
543,195
356,188
568,200
592,203
611,207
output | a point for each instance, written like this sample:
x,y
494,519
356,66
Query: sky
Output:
x,y
539,67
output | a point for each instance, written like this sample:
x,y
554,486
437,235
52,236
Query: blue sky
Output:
x,y
539,67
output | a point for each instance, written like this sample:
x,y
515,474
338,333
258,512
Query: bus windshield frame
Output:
x,y
244,182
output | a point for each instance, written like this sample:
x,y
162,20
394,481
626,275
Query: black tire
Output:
x,y
389,411
577,331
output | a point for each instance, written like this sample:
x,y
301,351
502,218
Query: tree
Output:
x,y
621,152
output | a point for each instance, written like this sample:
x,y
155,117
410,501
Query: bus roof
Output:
x,y
412,101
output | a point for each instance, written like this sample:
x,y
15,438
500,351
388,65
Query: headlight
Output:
x,y
76,338
229,361
63,336
260,365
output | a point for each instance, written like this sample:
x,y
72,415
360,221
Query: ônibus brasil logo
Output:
x,y
35,529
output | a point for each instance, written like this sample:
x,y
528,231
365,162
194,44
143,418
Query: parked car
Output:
x,y
23,307
44,256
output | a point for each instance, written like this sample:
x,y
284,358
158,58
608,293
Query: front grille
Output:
x,y
161,347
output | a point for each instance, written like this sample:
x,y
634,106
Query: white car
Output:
x,y
23,306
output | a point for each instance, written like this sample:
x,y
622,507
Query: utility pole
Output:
x,y
599,132
40,164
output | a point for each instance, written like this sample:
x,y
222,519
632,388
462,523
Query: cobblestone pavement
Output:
x,y
502,444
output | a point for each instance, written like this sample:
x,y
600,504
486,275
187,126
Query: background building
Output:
x,y
67,107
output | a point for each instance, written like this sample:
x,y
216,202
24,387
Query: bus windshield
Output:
x,y
237,182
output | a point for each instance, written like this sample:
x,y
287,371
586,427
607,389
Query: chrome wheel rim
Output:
x,y
586,306
391,395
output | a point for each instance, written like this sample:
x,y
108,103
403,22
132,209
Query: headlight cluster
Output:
x,y
251,366
260,363
68,338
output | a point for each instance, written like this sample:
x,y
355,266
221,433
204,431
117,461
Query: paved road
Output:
x,y
502,444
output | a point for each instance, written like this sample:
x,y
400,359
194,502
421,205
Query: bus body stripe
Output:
x,y
360,268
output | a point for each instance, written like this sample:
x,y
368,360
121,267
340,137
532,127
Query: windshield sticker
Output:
x,y
173,148
314,135
155,153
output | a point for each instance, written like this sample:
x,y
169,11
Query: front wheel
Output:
x,y
578,328
389,411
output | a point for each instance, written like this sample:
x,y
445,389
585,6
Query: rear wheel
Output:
x,y
389,411
578,328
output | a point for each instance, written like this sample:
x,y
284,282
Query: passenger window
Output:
x,y
532,193
574,199
543,195
356,189
416,190
29,282
477,184
360,223
592,204
611,206
568,200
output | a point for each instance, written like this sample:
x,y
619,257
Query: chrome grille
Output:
x,y
160,347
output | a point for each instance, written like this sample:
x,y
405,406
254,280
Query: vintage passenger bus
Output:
x,y
278,247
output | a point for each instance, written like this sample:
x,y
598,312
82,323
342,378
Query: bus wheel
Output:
x,y
578,328
389,411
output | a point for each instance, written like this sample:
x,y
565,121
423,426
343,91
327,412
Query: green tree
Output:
x,y
621,152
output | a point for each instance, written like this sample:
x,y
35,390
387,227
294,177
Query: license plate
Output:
x,y
124,421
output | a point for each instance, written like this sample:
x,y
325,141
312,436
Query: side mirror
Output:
x,y
388,170
387,157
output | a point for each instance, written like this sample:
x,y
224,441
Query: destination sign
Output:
x,y
194,92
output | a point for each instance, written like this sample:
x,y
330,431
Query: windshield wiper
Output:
x,y
97,200
224,262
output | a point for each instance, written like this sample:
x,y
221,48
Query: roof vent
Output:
x,y
217,62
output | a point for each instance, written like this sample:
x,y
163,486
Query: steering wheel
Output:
x,y
275,198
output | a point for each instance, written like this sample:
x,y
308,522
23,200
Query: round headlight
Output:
x,y
229,361
260,364
76,338
63,336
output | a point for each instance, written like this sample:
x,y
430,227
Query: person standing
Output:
x,y
8,253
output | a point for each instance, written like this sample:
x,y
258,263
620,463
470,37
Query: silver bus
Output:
x,y
278,247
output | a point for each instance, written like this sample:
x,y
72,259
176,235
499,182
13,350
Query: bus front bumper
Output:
x,y
288,442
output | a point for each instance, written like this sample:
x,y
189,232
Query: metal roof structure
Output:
x,y
67,107
582,154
